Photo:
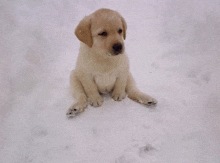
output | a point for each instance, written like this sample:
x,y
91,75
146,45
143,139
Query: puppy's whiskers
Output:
x,y
109,54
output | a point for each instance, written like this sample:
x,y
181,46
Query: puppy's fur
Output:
x,y
102,65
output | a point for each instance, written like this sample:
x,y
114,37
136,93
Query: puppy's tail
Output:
x,y
135,94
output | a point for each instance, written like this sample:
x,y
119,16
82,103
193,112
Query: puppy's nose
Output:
x,y
117,48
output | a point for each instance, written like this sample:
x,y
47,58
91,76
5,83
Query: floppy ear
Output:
x,y
83,31
124,24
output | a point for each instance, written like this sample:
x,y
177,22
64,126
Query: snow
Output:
x,y
173,47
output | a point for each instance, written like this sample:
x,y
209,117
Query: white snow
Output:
x,y
173,47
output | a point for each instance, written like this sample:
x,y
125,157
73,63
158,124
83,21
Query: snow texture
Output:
x,y
173,47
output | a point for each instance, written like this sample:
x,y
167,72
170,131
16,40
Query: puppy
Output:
x,y
102,65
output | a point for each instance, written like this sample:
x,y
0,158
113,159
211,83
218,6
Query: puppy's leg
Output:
x,y
118,93
79,94
136,95
91,90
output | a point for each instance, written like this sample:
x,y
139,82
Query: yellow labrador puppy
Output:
x,y
102,65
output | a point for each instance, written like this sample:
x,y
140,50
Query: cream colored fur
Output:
x,y
101,69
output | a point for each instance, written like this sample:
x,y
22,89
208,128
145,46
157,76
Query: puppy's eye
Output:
x,y
120,31
103,34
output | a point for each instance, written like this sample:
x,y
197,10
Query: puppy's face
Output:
x,y
104,31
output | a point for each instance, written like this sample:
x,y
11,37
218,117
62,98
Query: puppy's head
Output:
x,y
104,31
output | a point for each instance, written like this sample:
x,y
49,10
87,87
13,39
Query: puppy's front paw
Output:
x,y
95,100
76,109
118,96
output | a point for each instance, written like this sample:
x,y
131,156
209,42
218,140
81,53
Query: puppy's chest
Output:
x,y
105,82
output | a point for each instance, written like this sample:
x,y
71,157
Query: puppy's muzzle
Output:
x,y
117,48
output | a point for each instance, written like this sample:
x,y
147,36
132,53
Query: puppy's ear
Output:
x,y
83,31
124,24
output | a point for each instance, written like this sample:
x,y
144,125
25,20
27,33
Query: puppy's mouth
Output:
x,y
113,53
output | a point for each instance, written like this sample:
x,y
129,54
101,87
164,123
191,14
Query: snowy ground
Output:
x,y
174,43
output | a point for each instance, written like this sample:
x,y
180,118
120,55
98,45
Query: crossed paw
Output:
x,y
79,106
